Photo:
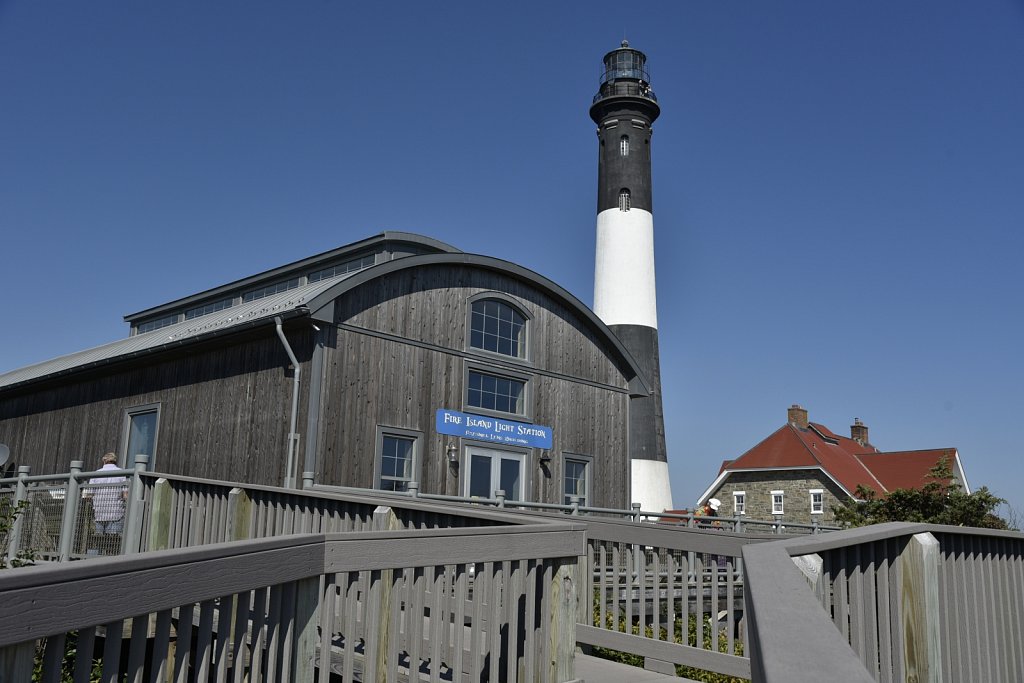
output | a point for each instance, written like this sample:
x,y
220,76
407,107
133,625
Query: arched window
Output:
x,y
624,199
624,146
498,327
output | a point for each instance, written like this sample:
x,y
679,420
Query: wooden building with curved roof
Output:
x,y
387,361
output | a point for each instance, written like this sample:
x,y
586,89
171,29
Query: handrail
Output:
x,y
778,526
865,603
384,588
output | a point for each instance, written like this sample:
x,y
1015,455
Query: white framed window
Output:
x,y
817,501
624,146
739,503
398,458
498,327
493,393
777,502
491,469
624,199
141,425
576,478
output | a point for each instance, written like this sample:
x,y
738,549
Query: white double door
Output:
x,y
491,469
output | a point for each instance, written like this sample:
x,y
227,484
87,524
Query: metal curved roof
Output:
x,y
315,300
322,302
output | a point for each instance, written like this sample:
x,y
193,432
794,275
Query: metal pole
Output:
x,y
293,436
574,501
307,480
500,495
20,494
413,489
71,502
133,517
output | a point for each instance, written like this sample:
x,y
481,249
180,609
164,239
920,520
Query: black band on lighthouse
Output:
x,y
624,109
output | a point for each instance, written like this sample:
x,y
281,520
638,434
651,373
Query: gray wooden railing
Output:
x,y
777,525
887,603
57,520
670,595
891,602
493,603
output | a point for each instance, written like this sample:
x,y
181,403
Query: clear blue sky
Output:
x,y
838,186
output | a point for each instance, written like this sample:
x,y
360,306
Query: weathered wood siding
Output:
x,y
224,411
399,353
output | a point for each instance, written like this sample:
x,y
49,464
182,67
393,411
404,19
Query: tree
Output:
x,y
940,501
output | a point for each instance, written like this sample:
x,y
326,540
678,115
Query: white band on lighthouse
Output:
x,y
624,268
650,485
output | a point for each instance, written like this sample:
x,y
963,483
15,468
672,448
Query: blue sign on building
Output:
x,y
494,429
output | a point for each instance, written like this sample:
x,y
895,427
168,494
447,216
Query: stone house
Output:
x,y
803,471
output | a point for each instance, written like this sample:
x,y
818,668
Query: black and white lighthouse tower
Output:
x,y
624,298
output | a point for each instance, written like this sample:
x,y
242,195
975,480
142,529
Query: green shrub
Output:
x,y
709,636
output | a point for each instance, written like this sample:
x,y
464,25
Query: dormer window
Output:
x,y
624,199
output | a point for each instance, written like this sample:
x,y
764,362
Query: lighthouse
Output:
x,y
624,294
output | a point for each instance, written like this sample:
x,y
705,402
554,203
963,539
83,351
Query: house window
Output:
x,y
341,269
777,508
141,426
624,146
398,458
157,324
270,290
208,308
497,327
739,503
490,470
817,501
624,199
576,479
494,392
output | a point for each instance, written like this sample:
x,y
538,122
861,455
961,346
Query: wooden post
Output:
x,y
70,516
384,519
307,601
239,515
160,515
133,513
16,661
919,609
20,495
562,628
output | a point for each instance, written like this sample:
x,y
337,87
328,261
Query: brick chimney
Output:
x,y
797,416
859,432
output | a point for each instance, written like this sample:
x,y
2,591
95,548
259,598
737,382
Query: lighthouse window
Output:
x,y
624,146
624,199
497,327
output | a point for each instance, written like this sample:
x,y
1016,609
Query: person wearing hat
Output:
x,y
712,511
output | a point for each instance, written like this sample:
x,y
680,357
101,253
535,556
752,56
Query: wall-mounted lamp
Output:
x,y
545,458
453,453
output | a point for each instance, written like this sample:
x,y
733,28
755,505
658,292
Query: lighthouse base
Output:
x,y
650,485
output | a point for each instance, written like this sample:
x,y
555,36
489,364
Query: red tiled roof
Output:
x,y
845,460
907,469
